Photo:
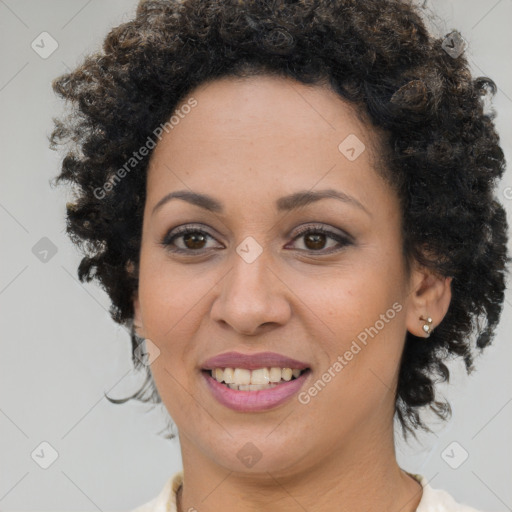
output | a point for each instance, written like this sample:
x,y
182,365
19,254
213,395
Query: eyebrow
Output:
x,y
286,203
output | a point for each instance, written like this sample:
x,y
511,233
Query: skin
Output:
x,y
247,143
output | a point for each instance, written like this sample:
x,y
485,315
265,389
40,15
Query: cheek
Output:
x,y
170,294
343,302
357,322
172,314
172,311
360,359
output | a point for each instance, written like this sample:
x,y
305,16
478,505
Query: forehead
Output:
x,y
263,131
268,103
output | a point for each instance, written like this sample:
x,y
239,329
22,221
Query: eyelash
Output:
x,y
169,239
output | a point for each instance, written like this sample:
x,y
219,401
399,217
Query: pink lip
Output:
x,y
253,401
252,361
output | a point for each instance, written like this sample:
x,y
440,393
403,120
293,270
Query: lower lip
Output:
x,y
253,401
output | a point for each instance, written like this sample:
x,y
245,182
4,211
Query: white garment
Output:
x,y
432,500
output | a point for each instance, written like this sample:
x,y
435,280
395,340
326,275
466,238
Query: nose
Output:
x,y
252,297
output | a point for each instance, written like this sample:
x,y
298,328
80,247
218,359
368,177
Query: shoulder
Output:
x,y
437,500
166,499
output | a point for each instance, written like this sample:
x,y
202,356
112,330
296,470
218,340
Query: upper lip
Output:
x,y
252,361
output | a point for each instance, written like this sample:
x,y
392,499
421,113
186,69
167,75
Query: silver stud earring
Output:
x,y
427,327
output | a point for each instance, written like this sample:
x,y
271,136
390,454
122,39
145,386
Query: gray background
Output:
x,y
60,350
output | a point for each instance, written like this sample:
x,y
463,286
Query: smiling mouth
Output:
x,y
243,379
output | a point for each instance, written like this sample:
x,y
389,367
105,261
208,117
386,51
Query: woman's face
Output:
x,y
247,280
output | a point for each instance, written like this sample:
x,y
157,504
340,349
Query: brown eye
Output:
x,y
315,238
190,240
194,240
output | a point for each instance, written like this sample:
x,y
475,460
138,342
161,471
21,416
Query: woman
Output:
x,y
292,204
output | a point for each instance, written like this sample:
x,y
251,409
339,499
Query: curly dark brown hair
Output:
x,y
442,153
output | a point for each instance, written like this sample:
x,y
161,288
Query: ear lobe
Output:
x,y
429,297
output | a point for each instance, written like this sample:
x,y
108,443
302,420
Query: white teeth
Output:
x,y
260,376
253,380
286,373
229,377
275,374
241,376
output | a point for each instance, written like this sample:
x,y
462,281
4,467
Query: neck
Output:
x,y
362,475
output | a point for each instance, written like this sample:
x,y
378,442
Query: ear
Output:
x,y
429,296
137,317
137,313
